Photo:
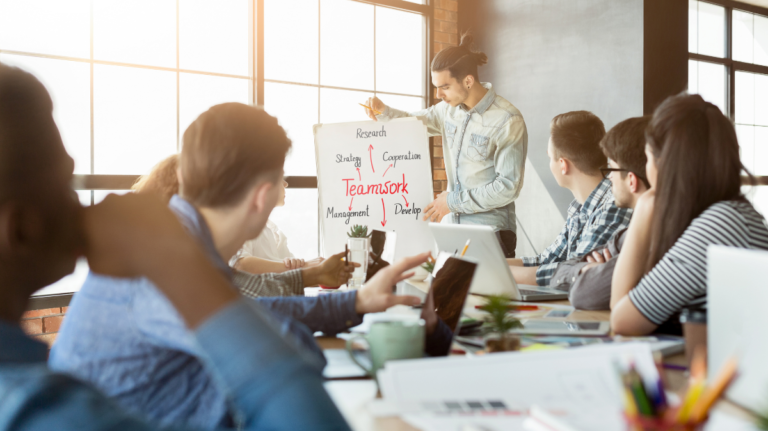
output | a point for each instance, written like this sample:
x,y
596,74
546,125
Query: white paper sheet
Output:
x,y
376,174
580,386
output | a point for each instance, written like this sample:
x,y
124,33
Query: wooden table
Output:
x,y
352,396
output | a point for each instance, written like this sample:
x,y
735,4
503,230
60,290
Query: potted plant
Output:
x,y
498,323
358,231
429,267
762,421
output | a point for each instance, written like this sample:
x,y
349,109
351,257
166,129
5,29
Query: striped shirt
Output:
x,y
589,226
680,277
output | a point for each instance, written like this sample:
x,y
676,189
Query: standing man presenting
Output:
x,y
485,143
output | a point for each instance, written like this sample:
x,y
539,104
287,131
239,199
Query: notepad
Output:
x,y
581,385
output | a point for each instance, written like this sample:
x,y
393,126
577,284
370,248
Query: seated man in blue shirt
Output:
x,y
43,230
125,337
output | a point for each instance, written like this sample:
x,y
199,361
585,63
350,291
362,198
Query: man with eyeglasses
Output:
x,y
588,278
575,160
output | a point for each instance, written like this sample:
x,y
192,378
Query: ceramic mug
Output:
x,y
390,340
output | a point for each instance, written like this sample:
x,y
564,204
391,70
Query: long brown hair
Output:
x,y
460,60
697,160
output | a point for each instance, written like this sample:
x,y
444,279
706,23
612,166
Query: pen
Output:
x,y
368,107
346,255
466,246
674,367
700,410
516,307
638,392
696,385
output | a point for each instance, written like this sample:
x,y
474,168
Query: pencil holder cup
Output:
x,y
639,423
358,253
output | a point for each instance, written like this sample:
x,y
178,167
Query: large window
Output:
x,y
728,66
334,55
127,78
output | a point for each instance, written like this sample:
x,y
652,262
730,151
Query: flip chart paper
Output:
x,y
376,174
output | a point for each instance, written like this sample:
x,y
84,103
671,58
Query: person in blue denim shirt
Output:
x,y
269,381
123,336
485,143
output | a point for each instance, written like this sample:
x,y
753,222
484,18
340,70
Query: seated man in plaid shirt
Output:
x,y
575,159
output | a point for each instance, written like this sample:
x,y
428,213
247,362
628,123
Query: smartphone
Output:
x,y
558,313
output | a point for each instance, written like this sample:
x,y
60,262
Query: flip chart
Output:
x,y
376,174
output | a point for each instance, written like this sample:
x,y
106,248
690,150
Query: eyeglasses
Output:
x,y
607,173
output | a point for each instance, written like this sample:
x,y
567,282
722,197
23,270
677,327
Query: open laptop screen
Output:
x,y
449,290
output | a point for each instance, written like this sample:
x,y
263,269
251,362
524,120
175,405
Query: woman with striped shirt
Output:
x,y
695,201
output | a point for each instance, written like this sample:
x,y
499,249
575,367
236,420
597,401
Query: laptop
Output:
x,y
737,297
493,276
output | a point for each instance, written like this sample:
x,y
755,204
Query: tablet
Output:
x,y
562,327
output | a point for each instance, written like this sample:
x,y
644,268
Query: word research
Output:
x,y
365,134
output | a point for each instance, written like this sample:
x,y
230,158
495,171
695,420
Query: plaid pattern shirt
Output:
x,y
289,283
587,227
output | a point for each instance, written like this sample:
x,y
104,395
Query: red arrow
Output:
x,y
384,223
350,204
358,174
370,149
385,172
406,200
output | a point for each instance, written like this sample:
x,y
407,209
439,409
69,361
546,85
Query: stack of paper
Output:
x,y
579,387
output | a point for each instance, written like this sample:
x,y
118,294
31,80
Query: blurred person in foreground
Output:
x,y
43,230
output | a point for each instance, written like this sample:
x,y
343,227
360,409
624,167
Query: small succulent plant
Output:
x,y
429,266
358,231
762,421
499,323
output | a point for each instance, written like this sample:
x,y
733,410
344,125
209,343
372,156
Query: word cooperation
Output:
x,y
387,188
396,157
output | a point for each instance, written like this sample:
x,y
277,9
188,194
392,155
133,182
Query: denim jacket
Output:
x,y
484,149
123,336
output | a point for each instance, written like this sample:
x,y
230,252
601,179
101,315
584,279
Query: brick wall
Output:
x,y
44,324
445,34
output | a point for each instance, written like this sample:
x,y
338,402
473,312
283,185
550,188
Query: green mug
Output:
x,y
389,341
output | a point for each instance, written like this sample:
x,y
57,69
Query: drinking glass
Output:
x,y
358,253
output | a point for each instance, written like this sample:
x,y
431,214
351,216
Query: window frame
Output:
x,y
256,80
732,66
91,182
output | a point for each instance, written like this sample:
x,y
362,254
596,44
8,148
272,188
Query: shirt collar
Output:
x,y
17,347
486,101
196,225
594,200
597,196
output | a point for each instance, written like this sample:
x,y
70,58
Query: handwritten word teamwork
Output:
x,y
387,188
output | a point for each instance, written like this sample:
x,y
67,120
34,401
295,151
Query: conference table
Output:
x,y
353,395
